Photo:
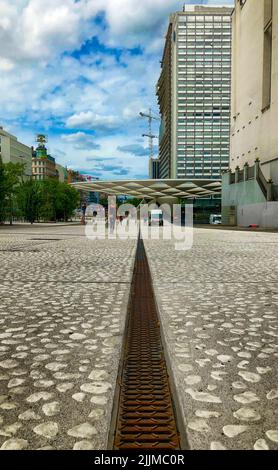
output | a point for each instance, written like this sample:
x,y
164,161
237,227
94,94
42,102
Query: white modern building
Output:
x,y
11,150
194,92
250,188
255,85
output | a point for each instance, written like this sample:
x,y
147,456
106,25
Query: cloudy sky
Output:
x,y
81,71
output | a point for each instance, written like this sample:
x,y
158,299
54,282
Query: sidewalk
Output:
x,y
218,306
62,317
17,225
236,229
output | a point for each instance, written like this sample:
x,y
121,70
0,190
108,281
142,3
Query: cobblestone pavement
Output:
x,y
219,315
63,304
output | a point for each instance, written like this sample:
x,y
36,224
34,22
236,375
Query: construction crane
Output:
x,y
150,135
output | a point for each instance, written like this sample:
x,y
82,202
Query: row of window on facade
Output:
x,y
207,18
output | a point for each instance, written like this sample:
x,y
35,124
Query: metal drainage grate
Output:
x,y
47,239
19,250
145,417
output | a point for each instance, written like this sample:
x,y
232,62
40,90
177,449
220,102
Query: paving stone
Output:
x,y
14,444
272,435
47,430
84,445
232,430
84,430
217,446
261,444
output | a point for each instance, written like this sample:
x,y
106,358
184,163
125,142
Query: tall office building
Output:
x,y
194,92
11,150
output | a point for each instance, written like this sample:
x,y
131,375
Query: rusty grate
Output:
x,y
145,417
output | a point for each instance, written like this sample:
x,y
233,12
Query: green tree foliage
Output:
x,y
70,200
11,176
2,189
134,201
29,198
47,200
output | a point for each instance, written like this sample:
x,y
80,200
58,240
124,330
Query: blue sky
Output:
x,y
81,71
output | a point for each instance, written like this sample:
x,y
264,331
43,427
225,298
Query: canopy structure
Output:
x,y
154,189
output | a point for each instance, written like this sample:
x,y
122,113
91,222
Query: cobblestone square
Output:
x,y
62,317
218,305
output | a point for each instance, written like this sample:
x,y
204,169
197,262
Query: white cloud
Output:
x,y
81,141
6,65
45,88
40,29
134,22
91,120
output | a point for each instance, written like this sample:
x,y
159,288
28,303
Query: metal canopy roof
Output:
x,y
153,189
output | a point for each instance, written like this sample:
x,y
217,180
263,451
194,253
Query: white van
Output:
x,y
156,217
215,219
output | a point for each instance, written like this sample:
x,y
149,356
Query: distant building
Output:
x,y
43,165
75,176
250,188
88,197
62,173
194,94
154,168
11,150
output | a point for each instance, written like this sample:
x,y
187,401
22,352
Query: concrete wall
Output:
x,y
246,192
270,170
238,195
264,215
254,131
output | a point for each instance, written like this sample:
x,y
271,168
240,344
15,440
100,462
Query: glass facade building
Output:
x,y
198,99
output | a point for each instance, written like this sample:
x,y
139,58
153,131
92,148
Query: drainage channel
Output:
x,y
145,418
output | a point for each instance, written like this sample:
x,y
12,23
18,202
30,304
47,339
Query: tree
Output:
x,y
29,200
70,200
58,200
49,199
2,190
11,175
134,201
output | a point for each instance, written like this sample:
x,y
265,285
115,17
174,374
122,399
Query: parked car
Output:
x,y
215,219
